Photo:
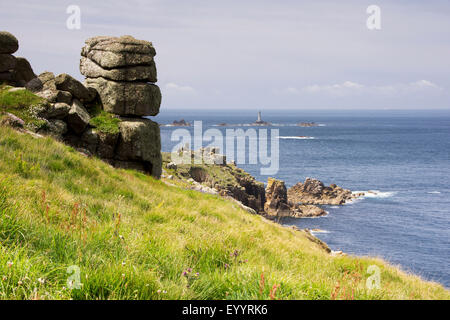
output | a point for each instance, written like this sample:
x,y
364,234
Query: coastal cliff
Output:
x,y
132,236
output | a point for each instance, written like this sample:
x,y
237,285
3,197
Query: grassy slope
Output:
x,y
131,236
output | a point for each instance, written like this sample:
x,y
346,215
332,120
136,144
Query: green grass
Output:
x,y
103,121
132,237
23,104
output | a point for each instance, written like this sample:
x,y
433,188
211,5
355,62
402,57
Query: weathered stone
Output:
x,y
112,60
133,165
73,140
17,89
23,72
58,110
140,140
45,81
66,82
8,42
78,118
49,95
90,69
276,198
277,203
7,62
313,191
127,98
11,120
92,94
64,96
121,44
107,144
57,127
89,140
6,76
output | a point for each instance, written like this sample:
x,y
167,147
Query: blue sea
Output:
x,y
403,155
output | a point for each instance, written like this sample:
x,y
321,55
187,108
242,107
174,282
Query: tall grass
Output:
x,y
134,237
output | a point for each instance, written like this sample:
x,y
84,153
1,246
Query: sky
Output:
x,y
259,54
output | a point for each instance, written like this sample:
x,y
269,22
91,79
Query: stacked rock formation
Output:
x,y
13,70
123,72
120,80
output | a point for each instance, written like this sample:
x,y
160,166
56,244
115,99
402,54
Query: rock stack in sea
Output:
x,y
16,71
313,191
123,72
277,203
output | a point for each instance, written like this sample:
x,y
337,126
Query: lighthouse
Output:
x,y
259,117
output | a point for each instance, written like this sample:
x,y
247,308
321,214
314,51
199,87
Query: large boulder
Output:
x,y
23,72
7,62
6,76
112,60
123,44
90,69
45,81
8,42
127,98
44,86
58,110
78,118
57,128
89,140
64,96
66,82
140,140
107,144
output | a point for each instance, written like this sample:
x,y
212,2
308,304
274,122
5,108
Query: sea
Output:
x,y
402,157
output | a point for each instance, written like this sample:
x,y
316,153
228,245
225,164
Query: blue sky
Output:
x,y
259,54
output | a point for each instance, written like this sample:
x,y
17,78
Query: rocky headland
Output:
x,y
314,192
104,117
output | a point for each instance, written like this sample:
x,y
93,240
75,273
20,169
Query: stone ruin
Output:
x,y
120,75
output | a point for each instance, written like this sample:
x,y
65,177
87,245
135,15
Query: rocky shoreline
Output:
x,y
273,201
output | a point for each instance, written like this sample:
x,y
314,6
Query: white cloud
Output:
x,y
349,88
172,87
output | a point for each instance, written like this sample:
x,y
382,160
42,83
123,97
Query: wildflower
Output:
x,y
41,280
4,278
123,263
197,274
121,237
159,291
226,266
9,264
235,253
19,283
189,270
123,275
164,291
